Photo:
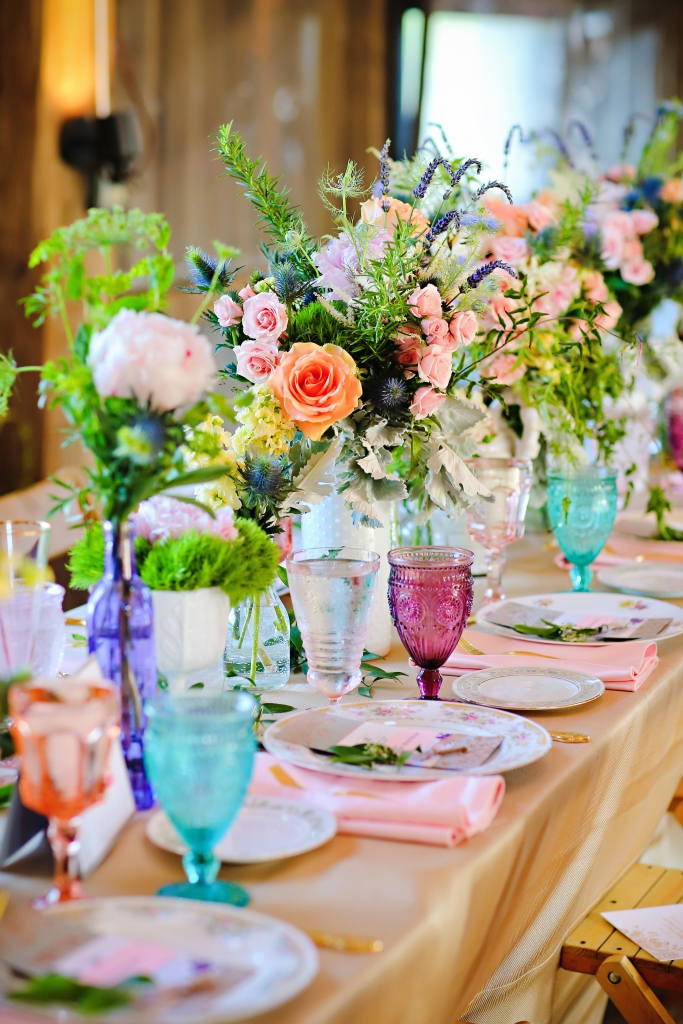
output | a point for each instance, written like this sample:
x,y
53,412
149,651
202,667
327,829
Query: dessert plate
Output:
x,y
295,738
266,828
527,689
647,580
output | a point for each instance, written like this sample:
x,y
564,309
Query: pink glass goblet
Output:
x,y
430,598
674,425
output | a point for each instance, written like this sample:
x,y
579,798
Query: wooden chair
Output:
x,y
623,969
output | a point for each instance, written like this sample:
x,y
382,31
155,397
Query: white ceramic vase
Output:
x,y
190,627
329,524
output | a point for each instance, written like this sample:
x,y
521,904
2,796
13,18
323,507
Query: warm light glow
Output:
x,y
68,56
102,78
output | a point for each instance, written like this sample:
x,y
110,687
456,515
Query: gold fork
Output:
x,y
469,648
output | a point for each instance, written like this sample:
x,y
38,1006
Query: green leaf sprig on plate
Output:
x,y
367,755
551,631
87,999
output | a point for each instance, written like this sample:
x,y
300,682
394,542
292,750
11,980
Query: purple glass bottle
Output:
x,y
674,424
121,634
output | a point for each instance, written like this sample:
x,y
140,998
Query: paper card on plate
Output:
x,y
611,627
659,930
430,748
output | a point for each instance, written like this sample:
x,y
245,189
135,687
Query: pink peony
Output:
x,y
436,366
595,287
509,249
463,327
672,191
435,327
425,301
163,517
246,292
228,311
150,357
256,360
502,368
425,402
644,221
638,271
540,216
265,317
338,263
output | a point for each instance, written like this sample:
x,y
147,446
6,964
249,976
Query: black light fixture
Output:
x,y
100,147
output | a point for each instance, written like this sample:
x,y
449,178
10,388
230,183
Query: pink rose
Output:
x,y
509,249
256,360
672,191
410,348
228,311
425,301
502,368
436,366
595,287
608,320
435,327
425,402
265,317
644,221
246,292
499,307
540,216
463,327
638,271
619,221
621,172
612,248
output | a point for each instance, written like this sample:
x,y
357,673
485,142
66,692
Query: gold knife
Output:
x,y
345,943
569,737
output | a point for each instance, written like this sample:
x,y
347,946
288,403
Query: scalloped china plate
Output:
x,y
527,689
278,960
294,738
266,828
645,580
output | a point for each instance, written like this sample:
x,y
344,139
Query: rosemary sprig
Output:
x,y
552,631
366,755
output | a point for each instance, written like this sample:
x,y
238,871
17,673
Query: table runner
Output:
x,y
472,932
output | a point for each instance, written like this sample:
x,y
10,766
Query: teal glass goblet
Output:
x,y
199,753
582,505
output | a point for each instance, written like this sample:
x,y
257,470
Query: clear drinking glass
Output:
x,y
257,644
582,506
332,591
198,754
430,598
62,730
49,641
495,524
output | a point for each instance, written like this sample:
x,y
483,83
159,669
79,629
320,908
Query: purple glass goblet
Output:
x,y
430,598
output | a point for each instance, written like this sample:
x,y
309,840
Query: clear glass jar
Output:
x,y
257,646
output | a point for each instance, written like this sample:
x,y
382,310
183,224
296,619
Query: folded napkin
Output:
x,y
440,813
621,666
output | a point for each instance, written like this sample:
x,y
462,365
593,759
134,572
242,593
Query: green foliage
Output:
x,y
8,375
367,755
56,988
656,157
315,323
86,558
660,505
551,631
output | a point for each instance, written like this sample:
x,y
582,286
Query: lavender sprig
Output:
x,y
585,135
484,270
384,174
493,184
440,225
439,161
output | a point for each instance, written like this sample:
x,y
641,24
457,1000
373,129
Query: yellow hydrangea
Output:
x,y
210,444
264,425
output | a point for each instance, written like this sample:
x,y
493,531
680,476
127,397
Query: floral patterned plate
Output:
x,y
295,738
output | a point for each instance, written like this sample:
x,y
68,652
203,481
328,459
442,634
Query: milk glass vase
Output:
x,y
258,642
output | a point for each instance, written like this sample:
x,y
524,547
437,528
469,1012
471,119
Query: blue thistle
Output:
x,y
384,173
265,477
389,396
440,225
493,184
484,270
202,267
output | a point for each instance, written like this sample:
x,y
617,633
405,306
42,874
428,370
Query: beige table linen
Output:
x,y
472,932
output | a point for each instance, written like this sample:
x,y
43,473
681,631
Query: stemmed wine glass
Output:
x,y
582,507
62,730
430,598
499,522
332,591
198,754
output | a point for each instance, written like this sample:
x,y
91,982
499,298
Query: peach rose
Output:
x,y
672,191
435,327
256,360
425,402
595,287
509,249
228,311
372,212
644,221
463,327
513,218
436,366
540,216
316,386
265,317
425,301
637,271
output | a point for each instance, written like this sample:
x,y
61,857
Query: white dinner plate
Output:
x,y
644,524
277,959
266,828
588,603
293,737
659,580
527,689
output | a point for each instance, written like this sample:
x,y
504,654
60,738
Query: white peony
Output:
x,y
150,357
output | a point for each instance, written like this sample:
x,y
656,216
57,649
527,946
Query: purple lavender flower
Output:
x,y
493,184
420,190
384,174
484,270
440,225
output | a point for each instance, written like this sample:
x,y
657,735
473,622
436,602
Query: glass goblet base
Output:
x,y
581,576
333,683
429,682
210,892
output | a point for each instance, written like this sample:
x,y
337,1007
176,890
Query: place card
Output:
x,y
612,627
659,930
430,748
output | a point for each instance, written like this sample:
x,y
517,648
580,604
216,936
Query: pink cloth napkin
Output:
x,y
440,813
621,666
625,551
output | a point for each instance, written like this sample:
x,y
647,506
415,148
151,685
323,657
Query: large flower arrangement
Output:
x,y
357,349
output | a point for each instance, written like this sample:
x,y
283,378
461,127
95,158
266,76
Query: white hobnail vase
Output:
x,y
190,627
329,524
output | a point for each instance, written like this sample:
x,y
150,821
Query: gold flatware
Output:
x,y
469,648
283,777
345,943
569,737
4,900
75,622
